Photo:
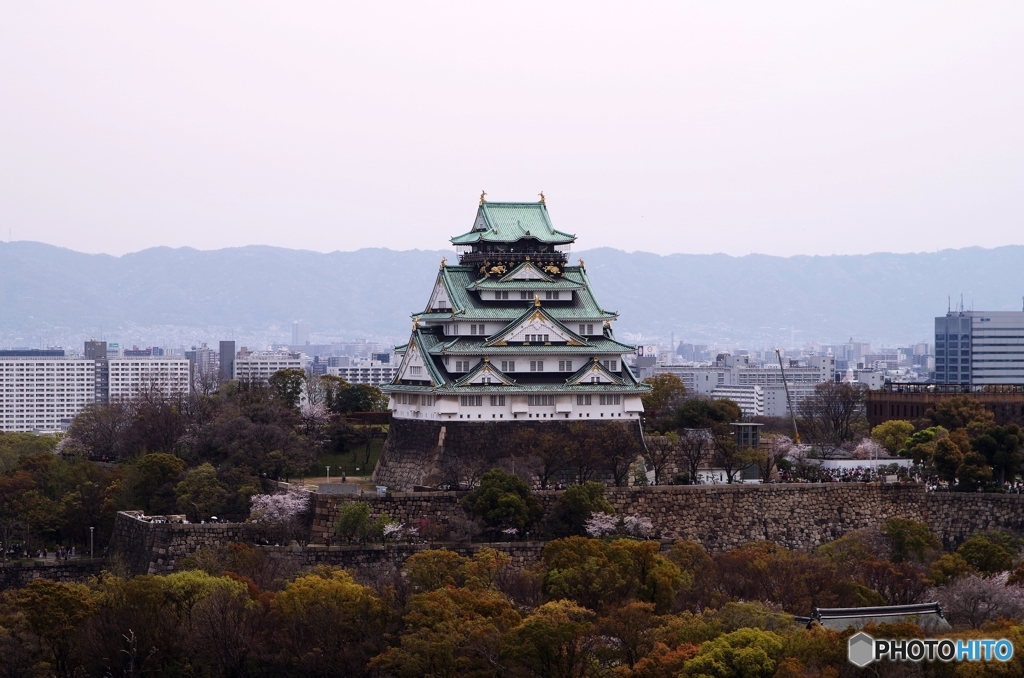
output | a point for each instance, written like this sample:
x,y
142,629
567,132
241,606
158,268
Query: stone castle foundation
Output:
x,y
433,453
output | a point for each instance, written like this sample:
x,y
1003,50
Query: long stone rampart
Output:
x,y
18,574
719,517
797,516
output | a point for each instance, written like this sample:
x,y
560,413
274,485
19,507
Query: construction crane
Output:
x,y
789,401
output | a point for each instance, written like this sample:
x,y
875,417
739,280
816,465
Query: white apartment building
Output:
x,y
775,403
750,398
261,365
373,373
130,376
735,371
44,393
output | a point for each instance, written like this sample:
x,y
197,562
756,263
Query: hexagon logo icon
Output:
x,y
861,648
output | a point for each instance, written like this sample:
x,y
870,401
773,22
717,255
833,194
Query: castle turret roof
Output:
x,y
507,222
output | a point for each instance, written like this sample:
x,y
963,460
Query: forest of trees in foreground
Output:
x,y
615,607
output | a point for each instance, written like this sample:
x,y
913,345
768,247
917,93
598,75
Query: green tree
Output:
x,y
353,523
287,387
148,484
750,653
330,625
908,538
973,471
666,394
892,434
435,568
200,492
503,500
575,506
959,412
602,574
948,567
947,459
1001,446
16,501
920,446
55,612
450,633
557,640
990,552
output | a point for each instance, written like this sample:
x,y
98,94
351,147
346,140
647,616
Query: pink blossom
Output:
x,y
278,508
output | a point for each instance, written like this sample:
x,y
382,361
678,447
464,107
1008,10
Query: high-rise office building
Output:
x,y
300,333
979,348
227,360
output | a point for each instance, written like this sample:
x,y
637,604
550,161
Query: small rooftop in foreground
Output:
x,y
926,615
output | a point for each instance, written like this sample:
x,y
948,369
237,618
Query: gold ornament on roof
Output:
x,y
444,262
542,198
483,197
536,299
498,270
553,270
581,263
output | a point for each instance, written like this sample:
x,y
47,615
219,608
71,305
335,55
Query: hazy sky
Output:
x,y
668,127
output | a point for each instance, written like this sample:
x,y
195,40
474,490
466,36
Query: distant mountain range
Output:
x,y
54,295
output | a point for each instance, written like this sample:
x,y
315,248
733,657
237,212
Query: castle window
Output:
x,y
427,400
582,399
461,365
611,365
415,370
508,365
524,295
536,365
565,366
501,295
497,401
471,401
540,400
611,399
551,295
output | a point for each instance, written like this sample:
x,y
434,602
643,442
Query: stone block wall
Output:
x,y
719,517
955,516
416,453
797,516
153,548
18,575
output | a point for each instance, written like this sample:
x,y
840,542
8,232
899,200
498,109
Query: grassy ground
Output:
x,y
351,462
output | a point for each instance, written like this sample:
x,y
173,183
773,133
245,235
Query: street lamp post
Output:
x,y
328,474
91,530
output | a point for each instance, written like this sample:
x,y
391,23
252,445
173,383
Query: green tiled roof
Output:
x,y
538,285
526,265
592,364
507,222
480,367
467,306
523,317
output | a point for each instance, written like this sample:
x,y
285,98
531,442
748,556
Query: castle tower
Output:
x,y
512,336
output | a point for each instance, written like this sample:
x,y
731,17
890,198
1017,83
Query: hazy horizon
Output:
x,y
451,250
792,129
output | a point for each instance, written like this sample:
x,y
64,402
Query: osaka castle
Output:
x,y
511,335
